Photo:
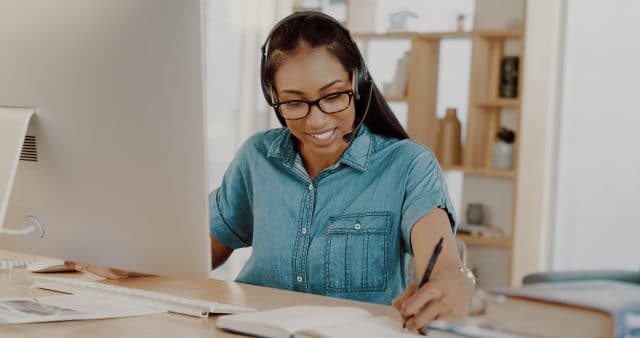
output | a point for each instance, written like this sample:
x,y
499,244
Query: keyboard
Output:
x,y
164,301
15,263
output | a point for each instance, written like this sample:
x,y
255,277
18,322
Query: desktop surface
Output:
x,y
16,282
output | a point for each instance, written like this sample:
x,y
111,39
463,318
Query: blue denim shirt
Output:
x,y
345,233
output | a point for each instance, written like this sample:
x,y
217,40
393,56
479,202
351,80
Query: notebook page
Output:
x,y
295,318
379,327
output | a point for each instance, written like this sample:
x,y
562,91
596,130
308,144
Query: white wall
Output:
x,y
597,223
539,120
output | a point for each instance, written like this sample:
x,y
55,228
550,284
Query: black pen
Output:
x,y
428,270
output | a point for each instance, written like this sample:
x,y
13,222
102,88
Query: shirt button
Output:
x,y
357,226
299,279
304,231
311,187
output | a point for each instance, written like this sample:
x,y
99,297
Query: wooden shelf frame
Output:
x,y
499,103
504,243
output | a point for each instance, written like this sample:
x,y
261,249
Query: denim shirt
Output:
x,y
346,233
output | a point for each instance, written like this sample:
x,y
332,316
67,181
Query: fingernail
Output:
x,y
409,324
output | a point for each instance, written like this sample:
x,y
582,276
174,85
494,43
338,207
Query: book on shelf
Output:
x,y
568,309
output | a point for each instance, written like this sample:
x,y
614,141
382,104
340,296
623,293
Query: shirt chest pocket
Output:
x,y
356,256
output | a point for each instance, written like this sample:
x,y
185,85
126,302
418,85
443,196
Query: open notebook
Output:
x,y
316,322
313,321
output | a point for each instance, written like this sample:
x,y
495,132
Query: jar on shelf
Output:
x,y
503,149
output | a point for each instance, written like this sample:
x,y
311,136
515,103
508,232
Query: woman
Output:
x,y
335,201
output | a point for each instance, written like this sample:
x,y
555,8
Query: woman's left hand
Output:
x,y
446,295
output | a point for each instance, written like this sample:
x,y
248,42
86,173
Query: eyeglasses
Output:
x,y
329,104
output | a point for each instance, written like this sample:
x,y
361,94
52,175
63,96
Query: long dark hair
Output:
x,y
318,31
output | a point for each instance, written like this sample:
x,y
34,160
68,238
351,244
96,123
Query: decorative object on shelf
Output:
x,y
449,150
398,20
460,22
398,85
475,214
509,66
503,149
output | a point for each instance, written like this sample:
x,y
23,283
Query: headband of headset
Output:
x,y
361,74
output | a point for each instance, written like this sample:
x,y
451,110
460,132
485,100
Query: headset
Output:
x,y
363,81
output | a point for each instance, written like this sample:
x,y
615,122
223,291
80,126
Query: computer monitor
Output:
x,y
120,176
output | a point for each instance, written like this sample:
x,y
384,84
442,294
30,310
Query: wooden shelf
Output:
x,y
384,36
499,34
504,243
445,35
499,103
490,172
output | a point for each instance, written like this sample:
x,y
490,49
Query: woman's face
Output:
x,y
309,74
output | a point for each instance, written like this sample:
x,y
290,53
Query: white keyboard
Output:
x,y
15,263
170,303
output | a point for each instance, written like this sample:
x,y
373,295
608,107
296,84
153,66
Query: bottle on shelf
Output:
x,y
449,150
503,149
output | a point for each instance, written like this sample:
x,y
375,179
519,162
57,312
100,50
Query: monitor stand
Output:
x,y
14,122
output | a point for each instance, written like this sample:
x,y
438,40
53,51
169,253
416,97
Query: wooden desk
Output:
x,y
16,282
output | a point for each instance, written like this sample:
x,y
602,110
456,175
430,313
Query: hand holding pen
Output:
x,y
410,302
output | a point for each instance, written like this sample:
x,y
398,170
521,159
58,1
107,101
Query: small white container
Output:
x,y
502,155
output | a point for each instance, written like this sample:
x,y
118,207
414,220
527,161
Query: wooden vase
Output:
x,y
449,143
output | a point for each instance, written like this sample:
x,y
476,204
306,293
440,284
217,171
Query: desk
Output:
x,y
15,283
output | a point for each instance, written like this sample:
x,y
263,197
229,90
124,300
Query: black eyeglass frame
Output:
x,y
315,102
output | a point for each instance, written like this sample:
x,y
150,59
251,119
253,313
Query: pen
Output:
x,y
428,270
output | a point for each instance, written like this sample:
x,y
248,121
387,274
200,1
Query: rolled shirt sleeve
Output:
x,y
425,190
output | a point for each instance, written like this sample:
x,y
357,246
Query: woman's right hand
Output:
x,y
109,273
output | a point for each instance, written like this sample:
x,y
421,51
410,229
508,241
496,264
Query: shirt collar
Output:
x,y
357,155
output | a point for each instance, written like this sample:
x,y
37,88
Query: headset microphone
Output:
x,y
350,136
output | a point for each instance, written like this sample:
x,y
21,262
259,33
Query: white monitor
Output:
x,y
120,176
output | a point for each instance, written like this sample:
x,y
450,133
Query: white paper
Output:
x,y
68,307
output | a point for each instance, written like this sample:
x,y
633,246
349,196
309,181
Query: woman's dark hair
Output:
x,y
317,31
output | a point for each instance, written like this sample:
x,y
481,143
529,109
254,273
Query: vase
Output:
x,y
449,148
502,155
